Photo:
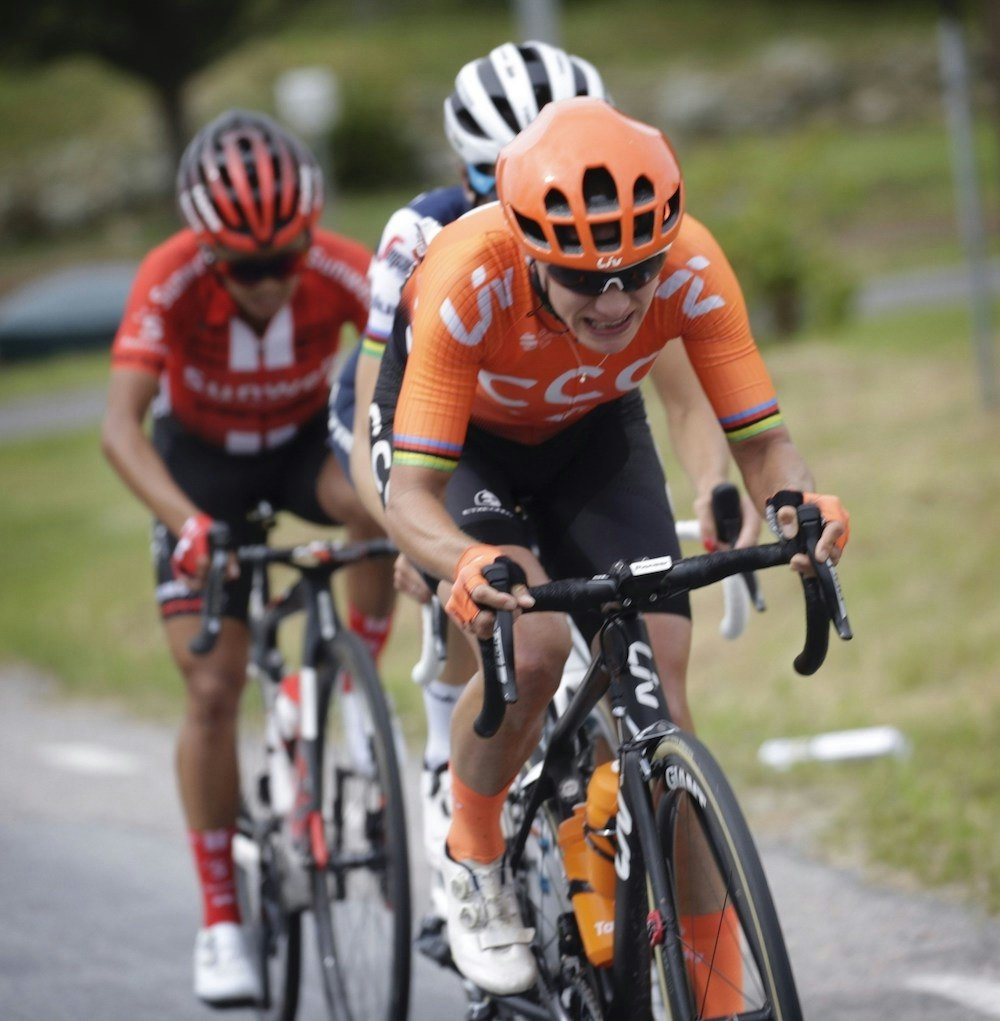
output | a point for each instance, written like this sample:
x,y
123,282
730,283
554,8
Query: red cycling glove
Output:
x,y
469,574
192,547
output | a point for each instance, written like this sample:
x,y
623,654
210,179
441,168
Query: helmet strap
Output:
x,y
543,295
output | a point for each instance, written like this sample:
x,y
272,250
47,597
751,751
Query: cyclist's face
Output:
x,y
605,323
263,283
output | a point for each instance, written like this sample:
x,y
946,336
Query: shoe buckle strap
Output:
x,y
491,939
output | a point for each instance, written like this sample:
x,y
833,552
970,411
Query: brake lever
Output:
x,y
728,515
826,574
499,680
211,613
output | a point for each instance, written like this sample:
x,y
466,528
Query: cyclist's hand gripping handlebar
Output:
x,y
728,515
212,593
823,597
499,684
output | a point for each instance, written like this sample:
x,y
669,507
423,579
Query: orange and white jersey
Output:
x,y
483,350
218,378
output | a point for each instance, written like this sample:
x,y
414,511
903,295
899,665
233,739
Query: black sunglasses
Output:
x,y
592,283
253,270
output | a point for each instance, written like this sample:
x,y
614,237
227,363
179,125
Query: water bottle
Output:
x,y
599,822
288,708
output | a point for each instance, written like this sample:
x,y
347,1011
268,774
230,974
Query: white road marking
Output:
x,y
979,994
93,759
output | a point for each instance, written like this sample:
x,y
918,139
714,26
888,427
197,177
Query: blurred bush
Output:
x,y
373,146
791,282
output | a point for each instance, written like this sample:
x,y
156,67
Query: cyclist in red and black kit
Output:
x,y
229,336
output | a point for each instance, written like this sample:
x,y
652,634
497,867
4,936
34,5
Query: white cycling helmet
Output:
x,y
497,96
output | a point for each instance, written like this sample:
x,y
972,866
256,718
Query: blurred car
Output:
x,y
69,310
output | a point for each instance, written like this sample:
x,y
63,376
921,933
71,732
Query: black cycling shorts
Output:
x,y
228,487
591,495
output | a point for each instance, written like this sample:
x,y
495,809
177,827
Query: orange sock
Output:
x,y
475,833
712,952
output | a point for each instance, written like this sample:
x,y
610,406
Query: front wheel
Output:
x,y
361,901
730,961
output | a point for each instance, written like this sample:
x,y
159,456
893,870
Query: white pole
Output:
x,y
955,74
537,19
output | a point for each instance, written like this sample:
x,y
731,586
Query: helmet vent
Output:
x,y
568,238
599,191
494,88
532,229
556,203
672,212
643,229
468,122
643,191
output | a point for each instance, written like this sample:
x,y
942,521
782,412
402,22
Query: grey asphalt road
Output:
x,y
98,903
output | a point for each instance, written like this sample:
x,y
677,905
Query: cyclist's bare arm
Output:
x,y
697,439
365,377
128,448
769,463
422,528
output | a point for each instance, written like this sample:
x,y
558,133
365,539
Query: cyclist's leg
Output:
x,y
208,783
206,761
370,590
670,637
206,749
488,940
313,484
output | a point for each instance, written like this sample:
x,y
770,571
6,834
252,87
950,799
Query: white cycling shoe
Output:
x,y
224,971
489,943
435,804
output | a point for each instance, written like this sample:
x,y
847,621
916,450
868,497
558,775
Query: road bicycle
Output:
x,y
322,827
629,853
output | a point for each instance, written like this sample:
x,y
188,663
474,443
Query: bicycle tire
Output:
x,y
742,959
362,912
274,934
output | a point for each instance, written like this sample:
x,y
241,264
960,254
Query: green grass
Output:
x,y
887,413
46,376
889,418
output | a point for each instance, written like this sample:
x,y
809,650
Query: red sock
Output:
x,y
373,631
213,856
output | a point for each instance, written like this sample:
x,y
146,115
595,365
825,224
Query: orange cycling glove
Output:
x,y
469,574
829,506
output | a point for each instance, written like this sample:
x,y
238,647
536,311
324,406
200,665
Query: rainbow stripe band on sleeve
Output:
x,y
752,422
424,453
374,346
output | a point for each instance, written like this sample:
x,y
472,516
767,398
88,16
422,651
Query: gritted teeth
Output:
x,y
613,324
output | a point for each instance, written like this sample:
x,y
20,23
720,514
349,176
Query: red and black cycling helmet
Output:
x,y
246,183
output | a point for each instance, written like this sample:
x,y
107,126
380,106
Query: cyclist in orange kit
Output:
x,y
531,324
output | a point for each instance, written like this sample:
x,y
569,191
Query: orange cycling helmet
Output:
x,y
246,183
586,187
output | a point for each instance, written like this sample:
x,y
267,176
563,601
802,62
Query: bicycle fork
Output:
x,y
638,842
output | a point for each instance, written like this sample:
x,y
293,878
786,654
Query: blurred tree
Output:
x,y
163,44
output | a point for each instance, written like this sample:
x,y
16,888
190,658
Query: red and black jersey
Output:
x,y
219,378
